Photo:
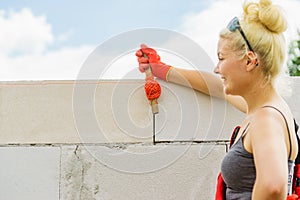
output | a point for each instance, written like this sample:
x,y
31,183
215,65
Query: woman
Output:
x,y
251,51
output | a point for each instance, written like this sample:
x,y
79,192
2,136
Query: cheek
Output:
x,y
233,67
225,67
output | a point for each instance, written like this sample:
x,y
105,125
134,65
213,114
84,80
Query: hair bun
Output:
x,y
265,3
271,16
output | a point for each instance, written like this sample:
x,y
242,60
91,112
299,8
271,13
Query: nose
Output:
x,y
217,70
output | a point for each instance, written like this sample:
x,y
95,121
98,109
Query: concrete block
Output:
x,y
68,112
188,115
163,171
29,173
98,112
36,112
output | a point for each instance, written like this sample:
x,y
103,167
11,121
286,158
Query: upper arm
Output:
x,y
269,149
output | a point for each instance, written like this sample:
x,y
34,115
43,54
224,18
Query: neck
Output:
x,y
260,96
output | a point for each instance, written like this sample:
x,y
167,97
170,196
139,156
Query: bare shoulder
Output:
x,y
269,125
267,122
274,116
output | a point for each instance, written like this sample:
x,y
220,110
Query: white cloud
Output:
x,y
62,64
65,36
292,8
204,27
24,49
23,33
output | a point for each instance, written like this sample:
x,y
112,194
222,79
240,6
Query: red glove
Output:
x,y
159,69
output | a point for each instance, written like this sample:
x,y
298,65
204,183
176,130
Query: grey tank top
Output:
x,y
239,173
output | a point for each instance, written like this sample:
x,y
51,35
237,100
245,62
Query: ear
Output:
x,y
252,61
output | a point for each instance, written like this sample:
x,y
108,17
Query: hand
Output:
x,y
148,56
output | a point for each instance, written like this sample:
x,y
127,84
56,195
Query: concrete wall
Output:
x,y
86,140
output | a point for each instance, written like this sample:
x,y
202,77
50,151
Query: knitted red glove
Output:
x,y
159,69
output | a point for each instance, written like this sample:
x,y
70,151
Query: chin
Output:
x,y
228,91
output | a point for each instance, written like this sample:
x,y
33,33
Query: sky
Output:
x,y
51,40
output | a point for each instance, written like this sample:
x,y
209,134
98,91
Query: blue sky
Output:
x,y
50,40
93,21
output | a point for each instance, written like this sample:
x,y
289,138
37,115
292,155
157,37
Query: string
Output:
x,y
152,88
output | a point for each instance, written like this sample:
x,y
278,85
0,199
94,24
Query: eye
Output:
x,y
220,58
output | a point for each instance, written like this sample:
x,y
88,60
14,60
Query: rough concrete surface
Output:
x,y
187,174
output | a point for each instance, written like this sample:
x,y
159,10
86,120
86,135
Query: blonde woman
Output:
x,y
251,51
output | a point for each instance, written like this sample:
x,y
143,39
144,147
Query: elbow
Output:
x,y
276,192
270,187
276,189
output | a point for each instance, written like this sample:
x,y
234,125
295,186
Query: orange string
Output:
x,y
152,88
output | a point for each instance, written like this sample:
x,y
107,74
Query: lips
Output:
x,y
223,79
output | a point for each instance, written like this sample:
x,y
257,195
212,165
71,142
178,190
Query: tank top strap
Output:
x,y
245,130
287,126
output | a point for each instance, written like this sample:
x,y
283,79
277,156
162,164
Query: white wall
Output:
x,y
94,140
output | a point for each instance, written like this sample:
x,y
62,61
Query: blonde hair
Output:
x,y
263,24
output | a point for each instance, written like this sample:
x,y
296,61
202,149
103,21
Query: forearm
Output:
x,y
204,82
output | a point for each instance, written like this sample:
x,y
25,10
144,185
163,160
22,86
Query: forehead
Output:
x,y
224,45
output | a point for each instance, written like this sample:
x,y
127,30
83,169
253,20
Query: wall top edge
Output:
x,y
63,82
72,81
